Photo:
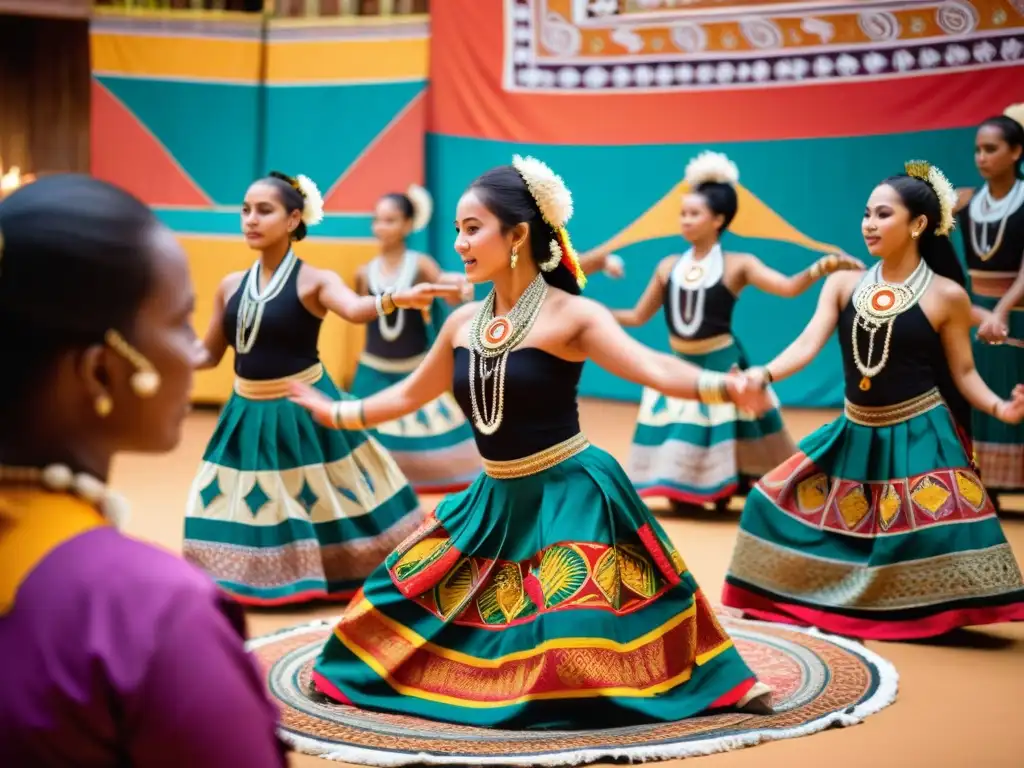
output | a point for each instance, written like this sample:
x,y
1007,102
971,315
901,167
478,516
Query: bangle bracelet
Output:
x,y
348,414
387,301
378,303
711,388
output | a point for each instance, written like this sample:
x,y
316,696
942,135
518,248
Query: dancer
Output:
x,y
992,227
879,526
282,510
685,450
104,639
434,446
545,594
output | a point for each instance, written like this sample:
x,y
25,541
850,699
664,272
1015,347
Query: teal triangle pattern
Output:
x,y
319,131
209,128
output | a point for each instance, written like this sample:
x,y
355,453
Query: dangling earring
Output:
x,y
145,381
515,255
103,405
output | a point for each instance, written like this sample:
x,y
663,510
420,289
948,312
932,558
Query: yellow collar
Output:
x,y
33,523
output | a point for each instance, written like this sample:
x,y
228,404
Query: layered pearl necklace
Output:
x,y
984,211
692,277
878,303
60,479
491,339
250,307
404,279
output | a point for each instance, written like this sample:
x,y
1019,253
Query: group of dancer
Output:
x,y
544,577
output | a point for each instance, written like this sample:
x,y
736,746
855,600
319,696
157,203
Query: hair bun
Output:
x,y
943,189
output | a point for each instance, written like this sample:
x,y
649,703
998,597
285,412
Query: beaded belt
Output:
x,y
275,389
887,415
390,365
993,285
700,346
537,462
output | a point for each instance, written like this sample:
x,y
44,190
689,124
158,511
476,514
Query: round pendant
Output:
x,y
883,300
496,333
865,384
694,274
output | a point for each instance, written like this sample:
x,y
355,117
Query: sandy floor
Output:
x,y
957,705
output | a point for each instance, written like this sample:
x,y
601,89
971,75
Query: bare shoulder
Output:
x,y
229,284
950,290
740,256
665,267
843,283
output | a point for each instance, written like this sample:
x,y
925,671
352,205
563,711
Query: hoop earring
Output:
x,y
515,256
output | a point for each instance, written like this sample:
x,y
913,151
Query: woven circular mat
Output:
x,y
818,681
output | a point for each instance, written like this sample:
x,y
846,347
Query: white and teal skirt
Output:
x,y
284,510
434,447
694,453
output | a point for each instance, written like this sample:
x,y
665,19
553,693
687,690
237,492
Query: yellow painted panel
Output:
x,y
194,58
341,60
210,259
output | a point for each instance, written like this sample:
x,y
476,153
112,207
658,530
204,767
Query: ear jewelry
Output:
x,y
103,405
145,381
515,256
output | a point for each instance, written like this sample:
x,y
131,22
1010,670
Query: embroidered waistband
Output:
x,y
993,285
275,389
390,365
887,415
537,462
701,346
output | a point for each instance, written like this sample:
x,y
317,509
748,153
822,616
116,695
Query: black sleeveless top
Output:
x,y
412,341
916,362
1011,250
719,303
288,334
540,408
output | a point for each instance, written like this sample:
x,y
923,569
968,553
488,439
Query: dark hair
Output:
x,y
289,195
721,199
937,252
402,203
1013,134
504,193
73,264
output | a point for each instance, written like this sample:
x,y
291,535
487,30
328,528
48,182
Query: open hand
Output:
x,y
420,296
313,400
847,262
746,396
1013,411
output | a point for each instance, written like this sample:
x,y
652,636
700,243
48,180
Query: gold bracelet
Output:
x,y
387,301
348,414
711,388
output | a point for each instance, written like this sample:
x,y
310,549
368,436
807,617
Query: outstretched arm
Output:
x,y
963,197
608,263
213,345
432,273
649,302
431,379
956,341
604,341
809,343
763,277
334,296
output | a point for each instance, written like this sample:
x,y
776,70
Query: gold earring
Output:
x,y
103,405
145,381
515,256
915,235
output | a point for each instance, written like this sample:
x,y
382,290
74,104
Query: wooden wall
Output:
x,y
44,94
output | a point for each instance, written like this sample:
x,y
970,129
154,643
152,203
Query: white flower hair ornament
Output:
x,y
422,206
1015,112
554,200
943,189
313,205
711,167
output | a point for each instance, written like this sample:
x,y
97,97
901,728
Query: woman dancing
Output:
x,y
547,580
282,510
683,449
879,526
992,227
434,446
112,651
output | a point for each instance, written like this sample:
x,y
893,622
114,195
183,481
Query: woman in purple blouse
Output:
x,y
112,652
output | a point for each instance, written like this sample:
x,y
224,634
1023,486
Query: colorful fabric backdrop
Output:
x,y
815,101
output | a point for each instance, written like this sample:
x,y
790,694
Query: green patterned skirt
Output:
x,y
552,600
999,447
284,510
434,447
690,452
880,532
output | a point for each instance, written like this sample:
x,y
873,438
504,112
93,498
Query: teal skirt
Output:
x,y
690,452
434,447
999,447
284,510
553,600
879,532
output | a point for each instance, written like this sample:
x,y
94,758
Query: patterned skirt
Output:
x,y
284,510
434,447
999,447
544,600
695,453
877,528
